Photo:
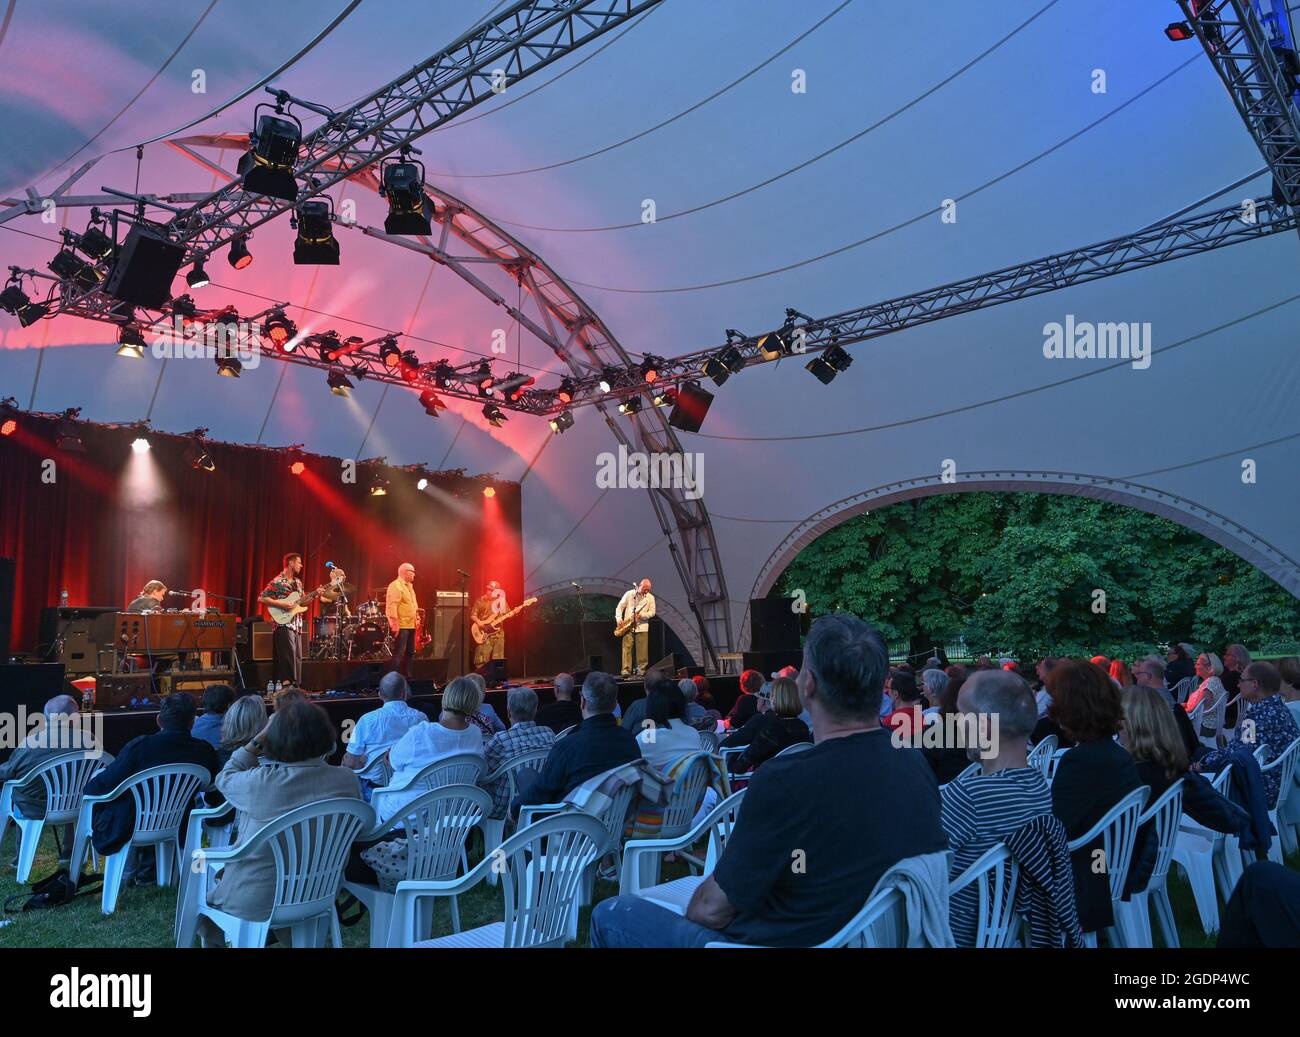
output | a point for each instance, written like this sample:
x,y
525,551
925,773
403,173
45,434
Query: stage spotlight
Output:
x,y
562,421
608,379
182,306
198,275
422,484
239,256
8,417
410,366
409,209
71,267
495,417
430,401
67,438
229,366
95,243
298,467
565,392
140,446
690,407
390,353
723,364
8,426
829,364
267,167
130,343
1179,31
197,455
630,406
280,330
379,488
315,244
513,385
664,397
489,492
443,373
339,384
483,378
650,369
777,344
328,344
14,300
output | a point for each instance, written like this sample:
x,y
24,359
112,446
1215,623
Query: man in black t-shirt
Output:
x,y
816,830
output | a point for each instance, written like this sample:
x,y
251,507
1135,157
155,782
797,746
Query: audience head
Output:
x,y
1235,657
785,697
1289,668
1119,673
902,686
1045,666
1149,672
844,665
1208,665
462,696
1004,697
704,695
934,682
393,687
563,687
905,666
300,730
1177,651
983,663
217,698
521,704
177,711
1150,732
480,682
664,702
933,663
1085,702
688,689
61,706
750,682
599,694
1103,661
1259,681
245,717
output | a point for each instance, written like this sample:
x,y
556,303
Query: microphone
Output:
x,y
574,584
329,565
179,594
463,573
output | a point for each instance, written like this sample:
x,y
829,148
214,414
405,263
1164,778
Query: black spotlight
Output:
x,y
328,345
95,243
281,331
495,416
197,454
239,256
390,353
829,364
483,378
409,366
565,392
71,267
630,406
690,407
198,275
67,437
339,384
315,244
431,402
14,300
608,379
723,364
650,369
512,386
665,396
228,366
130,343
562,421
268,166
443,373
409,210
779,343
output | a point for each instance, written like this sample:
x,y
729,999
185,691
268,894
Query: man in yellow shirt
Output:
x,y
400,607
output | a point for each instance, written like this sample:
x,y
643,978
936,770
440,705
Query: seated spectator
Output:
x,y
634,716
563,713
776,728
1092,777
452,734
523,735
380,729
485,717
984,809
704,694
1267,722
1179,664
1042,699
907,700
112,823
1264,909
245,717
1120,673
696,715
666,737
1289,670
948,761
217,698
849,809
1235,660
279,770
933,684
1211,689
599,744
281,698
1150,673
747,704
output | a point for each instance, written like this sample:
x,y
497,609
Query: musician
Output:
x,y
150,598
491,604
402,609
636,642
286,642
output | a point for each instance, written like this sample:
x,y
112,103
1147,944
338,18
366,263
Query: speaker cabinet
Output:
x,y
263,649
146,266
773,624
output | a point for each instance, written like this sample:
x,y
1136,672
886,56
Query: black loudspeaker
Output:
x,y
8,569
424,669
665,667
494,672
768,663
686,672
692,405
446,628
773,624
146,266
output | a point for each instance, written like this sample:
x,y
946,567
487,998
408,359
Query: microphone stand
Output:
x,y
582,629
464,618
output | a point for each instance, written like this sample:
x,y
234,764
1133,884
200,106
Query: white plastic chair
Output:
x,y
1053,761
309,846
882,922
1285,764
161,795
1183,688
494,828
1164,816
64,778
1203,854
1117,829
680,810
995,875
1040,756
967,772
1197,715
461,769
1212,721
541,868
675,895
436,826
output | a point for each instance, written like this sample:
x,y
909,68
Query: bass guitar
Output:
x,y
483,631
301,602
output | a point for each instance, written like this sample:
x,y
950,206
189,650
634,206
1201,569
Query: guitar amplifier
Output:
x,y
446,625
117,690
84,632
262,634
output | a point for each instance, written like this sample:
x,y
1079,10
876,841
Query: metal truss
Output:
x,y
1264,91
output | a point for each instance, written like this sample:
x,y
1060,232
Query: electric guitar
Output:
x,y
284,616
482,631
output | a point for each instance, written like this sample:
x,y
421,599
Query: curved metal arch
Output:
x,y
665,609
1269,559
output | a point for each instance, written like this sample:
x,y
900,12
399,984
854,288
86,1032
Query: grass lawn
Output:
x,y
145,915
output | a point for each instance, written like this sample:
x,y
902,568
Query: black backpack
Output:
x,y
53,891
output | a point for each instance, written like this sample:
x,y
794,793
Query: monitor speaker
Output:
x,y
494,672
146,266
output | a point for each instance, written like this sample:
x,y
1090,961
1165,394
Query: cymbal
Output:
x,y
332,594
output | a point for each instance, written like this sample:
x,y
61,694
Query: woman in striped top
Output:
x,y
987,808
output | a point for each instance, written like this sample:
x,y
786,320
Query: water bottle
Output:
x,y
279,686
270,687
63,599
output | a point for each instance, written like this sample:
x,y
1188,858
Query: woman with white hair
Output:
x,y
1209,668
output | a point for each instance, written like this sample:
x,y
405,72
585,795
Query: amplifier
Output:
x,y
80,633
116,690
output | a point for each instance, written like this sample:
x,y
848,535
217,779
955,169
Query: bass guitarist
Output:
x,y
490,605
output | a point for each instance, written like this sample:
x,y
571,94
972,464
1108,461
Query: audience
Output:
x,y
747,704
279,770
775,729
1120,673
634,717
245,717
846,811
1264,909
523,736
1235,660
563,713
1210,689
379,730
933,684
1092,777
426,743
597,745
986,808
484,717
1179,658
1289,670
1149,673
666,736
60,733
217,698
705,694
908,702
1042,698
696,715
1267,722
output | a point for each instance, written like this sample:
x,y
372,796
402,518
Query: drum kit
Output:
x,y
362,636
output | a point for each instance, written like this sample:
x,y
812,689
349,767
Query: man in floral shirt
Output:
x,y
522,736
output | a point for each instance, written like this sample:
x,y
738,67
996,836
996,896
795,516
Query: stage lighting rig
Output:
x,y
68,266
16,301
609,377
328,345
665,397
483,378
431,402
196,454
494,415
562,421
829,364
273,145
315,244
565,392
183,307
409,365
512,386
409,208
390,352
726,362
239,256
8,416
228,366
650,369
339,384
93,241
67,437
198,275
281,331
130,342
443,373
630,406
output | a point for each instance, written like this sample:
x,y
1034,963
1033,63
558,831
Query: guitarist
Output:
x,y
491,604
287,640
637,602
401,610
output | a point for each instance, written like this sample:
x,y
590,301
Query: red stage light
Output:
x,y
489,491
1179,31
9,427
298,467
